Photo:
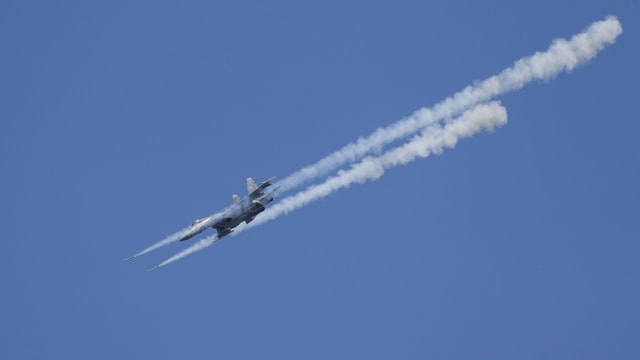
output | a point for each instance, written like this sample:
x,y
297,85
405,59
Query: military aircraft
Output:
x,y
243,210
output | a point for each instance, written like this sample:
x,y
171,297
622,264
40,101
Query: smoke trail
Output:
x,y
164,242
432,140
200,245
561,55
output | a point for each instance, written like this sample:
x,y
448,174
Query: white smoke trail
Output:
x,y
561,55
432,140
164,242
200,245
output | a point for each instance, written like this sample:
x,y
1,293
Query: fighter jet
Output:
x,y
243,210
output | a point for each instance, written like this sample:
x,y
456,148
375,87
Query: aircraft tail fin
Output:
x,y
236,199
251,186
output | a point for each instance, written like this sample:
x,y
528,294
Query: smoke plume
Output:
x,y
561,55
433,140
434,134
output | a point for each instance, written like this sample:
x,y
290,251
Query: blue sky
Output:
x,y
121,123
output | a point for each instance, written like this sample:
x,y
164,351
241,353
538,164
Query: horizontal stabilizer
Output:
x,y
266,198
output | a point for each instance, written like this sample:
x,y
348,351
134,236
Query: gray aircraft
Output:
x,y
243,210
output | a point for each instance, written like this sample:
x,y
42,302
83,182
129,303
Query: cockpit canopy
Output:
x,y
196,222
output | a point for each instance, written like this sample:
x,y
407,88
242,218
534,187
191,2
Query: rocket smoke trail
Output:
x,y
433,140
202,244
164,242
435,136
561,55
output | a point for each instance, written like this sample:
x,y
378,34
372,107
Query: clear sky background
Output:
x,y
121,122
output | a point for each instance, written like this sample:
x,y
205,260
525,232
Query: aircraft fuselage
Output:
x,y
243,211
